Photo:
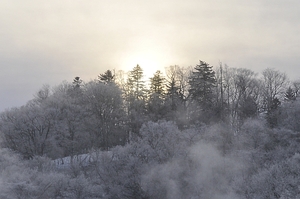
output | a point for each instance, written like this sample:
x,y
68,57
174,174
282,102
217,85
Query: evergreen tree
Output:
x,y
135,83
290,95
172,93
135,96
107,77
157,83
202,82
75,89
156,107
77,82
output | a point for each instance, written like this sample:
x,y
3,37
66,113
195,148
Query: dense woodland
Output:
x,y
188,132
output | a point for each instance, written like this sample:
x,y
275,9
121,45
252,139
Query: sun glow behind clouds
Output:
x,y
148,63
149,54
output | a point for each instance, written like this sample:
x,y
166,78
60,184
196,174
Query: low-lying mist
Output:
x,y
202,173
165,162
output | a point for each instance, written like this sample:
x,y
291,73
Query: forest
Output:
x,y
188,132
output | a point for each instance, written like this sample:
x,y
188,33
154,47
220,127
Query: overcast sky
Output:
x,y
46,42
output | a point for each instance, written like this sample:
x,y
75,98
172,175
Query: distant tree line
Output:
x,y
191,132
75,117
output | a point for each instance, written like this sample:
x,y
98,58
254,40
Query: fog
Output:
x,y
198,132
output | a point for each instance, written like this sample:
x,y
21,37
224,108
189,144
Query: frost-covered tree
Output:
x,y
106,117
29,130
122,169
240,94
290,116
274,85
39,178
42,95
70,137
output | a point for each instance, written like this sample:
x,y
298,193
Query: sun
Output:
x,y
148,52
150,63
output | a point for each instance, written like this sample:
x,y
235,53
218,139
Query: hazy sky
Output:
x,y
46,42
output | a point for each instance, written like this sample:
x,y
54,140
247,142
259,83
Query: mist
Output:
x,y
193,132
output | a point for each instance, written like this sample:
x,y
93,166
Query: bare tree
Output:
x,y
28,130
177,92
239,94
274,85
273,89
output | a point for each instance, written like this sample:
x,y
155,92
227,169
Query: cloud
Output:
x,y
85,38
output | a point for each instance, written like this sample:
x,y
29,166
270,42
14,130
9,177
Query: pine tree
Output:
x,y
157,83
107,77
76,90
202,82
135,96
135,83
156,107
172,93
77,82
290,95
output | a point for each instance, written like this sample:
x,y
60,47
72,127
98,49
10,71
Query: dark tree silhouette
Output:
x,y
107,77
202,83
